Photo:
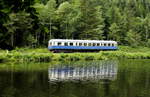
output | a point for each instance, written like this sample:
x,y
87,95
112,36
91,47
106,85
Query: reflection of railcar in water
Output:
x,y
63,45
105,71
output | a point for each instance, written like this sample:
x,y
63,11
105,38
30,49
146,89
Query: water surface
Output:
x,y
123,78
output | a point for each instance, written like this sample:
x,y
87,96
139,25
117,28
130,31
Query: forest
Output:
x,y
31,23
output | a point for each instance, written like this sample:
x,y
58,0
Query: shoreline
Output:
x,y
43,55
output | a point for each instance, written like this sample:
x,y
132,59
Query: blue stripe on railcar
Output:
x,y
84,47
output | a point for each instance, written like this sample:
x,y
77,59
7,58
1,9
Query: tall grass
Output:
x,y
43,55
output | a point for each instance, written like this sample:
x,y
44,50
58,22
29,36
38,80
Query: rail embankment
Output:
x,y
43,55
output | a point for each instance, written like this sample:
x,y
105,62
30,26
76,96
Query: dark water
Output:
x,y
124,78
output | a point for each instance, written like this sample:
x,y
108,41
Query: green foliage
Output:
x,y
114,32
19,25
33,23
133,38
43,55
89,57
47,17
148,43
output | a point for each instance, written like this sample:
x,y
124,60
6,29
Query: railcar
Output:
x,y
66,45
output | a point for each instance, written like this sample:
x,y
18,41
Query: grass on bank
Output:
x,y
43,55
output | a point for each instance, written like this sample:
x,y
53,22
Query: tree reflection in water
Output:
x,y
123,78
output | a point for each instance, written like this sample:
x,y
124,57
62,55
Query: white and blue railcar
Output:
x,y
66,45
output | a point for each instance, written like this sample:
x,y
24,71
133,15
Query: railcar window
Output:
x,y
94,44
59,43
66,44
112,44
85,44
76,44
108,44
104,44
90,44
71,44
80,44
98,44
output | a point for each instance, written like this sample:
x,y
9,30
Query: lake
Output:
x,y
111,78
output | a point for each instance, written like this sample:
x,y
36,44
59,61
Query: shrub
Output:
x,y
89,57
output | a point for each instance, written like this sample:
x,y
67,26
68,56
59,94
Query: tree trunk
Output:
x,y
50,28
12,40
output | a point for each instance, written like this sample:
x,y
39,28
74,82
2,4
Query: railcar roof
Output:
x,y
69,40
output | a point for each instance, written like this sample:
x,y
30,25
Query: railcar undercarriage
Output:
x,y
71,50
